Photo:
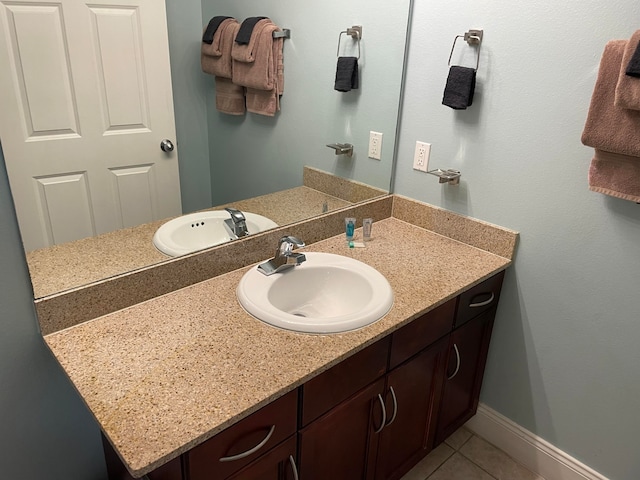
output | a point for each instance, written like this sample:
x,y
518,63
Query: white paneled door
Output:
x,y
85,100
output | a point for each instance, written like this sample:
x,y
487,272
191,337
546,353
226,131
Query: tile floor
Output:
x,y
465,456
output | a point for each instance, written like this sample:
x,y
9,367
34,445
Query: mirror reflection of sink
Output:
x,y
325,294
197,231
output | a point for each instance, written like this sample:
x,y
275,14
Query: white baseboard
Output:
x,y
533,452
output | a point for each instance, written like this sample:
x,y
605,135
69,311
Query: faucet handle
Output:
x,y
287,244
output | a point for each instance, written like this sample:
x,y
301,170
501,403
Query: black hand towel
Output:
x,y
246,29
346,74
633,67
214,23
461,84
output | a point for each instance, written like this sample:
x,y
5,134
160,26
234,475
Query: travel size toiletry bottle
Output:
x,y
367,223
349,227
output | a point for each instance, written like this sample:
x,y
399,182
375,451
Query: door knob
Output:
x,y
166,145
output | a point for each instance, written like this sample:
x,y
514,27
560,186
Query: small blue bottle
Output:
x,y
350,226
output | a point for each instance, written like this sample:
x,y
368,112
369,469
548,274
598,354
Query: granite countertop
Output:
x,y
73,264
162,376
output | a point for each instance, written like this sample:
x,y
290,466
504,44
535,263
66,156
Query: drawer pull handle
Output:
x,y
455,348
483,304
293,467
251,450
384,415
395,407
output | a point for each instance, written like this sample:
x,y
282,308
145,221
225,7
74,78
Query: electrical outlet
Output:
x,y
375,145
421,156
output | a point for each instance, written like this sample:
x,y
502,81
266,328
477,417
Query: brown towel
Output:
x,y
263,102
246,52
615,175
267,102
608,127
264,77
262,73
216,58
628,87
229,97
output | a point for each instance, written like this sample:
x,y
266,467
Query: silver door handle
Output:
x,y
384,414
395,406
251,450
294,468
166,145
482,304
455,348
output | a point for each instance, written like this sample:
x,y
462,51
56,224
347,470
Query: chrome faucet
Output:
x,y
284,258
237,223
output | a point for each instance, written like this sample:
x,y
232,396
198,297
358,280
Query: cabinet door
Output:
x,y
411,397
342,444
277,464
467,357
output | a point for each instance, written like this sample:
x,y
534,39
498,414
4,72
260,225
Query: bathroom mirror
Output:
x,y
258,163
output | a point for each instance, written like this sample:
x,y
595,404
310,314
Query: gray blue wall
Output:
x,y
45,430
252,154
564,356
184,23
564,360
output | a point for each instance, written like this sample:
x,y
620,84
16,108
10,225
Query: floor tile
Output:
x,y
495,461
458,438
460,468
430,463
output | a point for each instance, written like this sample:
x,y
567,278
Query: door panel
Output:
x,y
65,207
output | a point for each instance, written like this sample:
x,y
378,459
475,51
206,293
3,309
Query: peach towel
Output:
x,y
615,175
247,53
608,127
264,75
215,59
628,87
229,97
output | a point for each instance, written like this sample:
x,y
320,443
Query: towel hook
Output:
x,y
472,37
354,32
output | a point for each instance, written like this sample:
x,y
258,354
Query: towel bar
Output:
x,y
284,33
354,32
472,37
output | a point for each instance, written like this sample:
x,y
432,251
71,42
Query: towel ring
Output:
x,y
354,32
472,37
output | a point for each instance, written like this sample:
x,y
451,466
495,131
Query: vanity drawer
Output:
x,y
479,299
235,447
421,333
322,393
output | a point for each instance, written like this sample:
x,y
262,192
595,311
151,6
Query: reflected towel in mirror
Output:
x,y
347,76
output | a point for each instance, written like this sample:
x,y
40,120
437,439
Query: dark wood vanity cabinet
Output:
x,y
467,356
371,417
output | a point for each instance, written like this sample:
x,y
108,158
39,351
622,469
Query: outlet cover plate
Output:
x,y
421,156
375,145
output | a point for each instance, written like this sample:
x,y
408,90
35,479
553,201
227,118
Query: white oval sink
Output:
x,y
196,231
325,294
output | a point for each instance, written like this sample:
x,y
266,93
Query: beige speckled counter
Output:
x,y
165,375
70,265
